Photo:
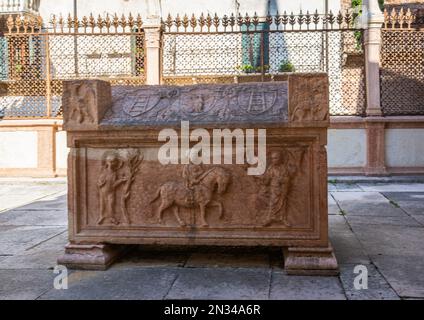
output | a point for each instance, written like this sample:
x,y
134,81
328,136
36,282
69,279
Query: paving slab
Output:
x,y
404,273
11,201
116,284
221,284
405,196
333,208
34,218
352,187
15,240
412,207
43,256
366,204
419,218
378,287
346,246
363,197
390,240
50,203
284,287
403,220
35,189
25,284
392,187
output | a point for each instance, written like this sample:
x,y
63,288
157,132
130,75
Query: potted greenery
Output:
x,y
286,66
246,68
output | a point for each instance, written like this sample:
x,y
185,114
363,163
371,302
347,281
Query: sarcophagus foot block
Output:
x,y
91,257
310,261
213,165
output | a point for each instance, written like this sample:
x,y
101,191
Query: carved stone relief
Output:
x,y
81,98
310,100
203,195
196,191
265,102
116,177
277,184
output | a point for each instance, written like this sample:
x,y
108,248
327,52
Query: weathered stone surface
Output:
x,y
85,103
310,261
348,187
392,187
412,207
366,204
391,240
42,256
333,208
91,256
200,104
403,220
57,202
116,284
221,284
347,247
34,218
28,285
405,196
403,272
15,240
120,193
15,196
285,287
378,287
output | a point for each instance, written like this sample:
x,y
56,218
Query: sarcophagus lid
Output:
x,y
93,105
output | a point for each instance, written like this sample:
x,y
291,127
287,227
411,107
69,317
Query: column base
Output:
x,y
310,261
376,172
91,257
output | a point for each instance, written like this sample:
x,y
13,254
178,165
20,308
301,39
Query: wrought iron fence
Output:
x,y
402,64
37,58
232,48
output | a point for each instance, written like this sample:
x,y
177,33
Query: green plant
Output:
x,y
357,6
286,66
265,68
343,213
246,68
393,203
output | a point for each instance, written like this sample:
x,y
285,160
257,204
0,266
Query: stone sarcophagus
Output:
x,y
221,165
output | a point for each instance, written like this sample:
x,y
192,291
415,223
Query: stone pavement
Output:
x,y
378,225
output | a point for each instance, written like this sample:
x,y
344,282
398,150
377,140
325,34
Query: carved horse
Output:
x,y
176,194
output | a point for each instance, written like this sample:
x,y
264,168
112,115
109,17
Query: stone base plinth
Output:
x,y
91,257
310,261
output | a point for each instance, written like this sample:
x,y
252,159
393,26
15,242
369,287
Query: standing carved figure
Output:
x,y
278,179
107,184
